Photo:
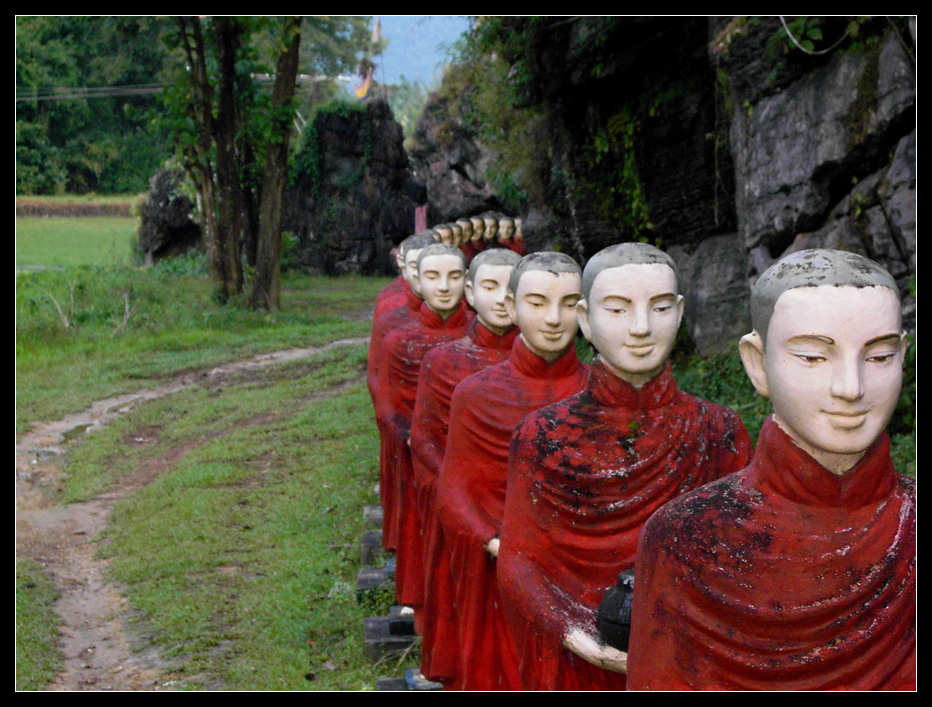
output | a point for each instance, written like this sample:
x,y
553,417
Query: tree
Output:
x,y
83,87
232,138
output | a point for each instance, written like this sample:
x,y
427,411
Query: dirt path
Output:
x,y
101,653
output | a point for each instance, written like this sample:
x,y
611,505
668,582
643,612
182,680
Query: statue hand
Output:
x,y
491,547
589,649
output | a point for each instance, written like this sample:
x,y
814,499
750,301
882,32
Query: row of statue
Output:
x,y
518,483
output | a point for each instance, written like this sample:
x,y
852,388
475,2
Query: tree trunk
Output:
x,y
267,286
229,193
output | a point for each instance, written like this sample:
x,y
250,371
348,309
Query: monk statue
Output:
x,y
478,229
457,233
798,572
542,368
400,315
586,473
446,233
488,341
466,228
441,276
506,229
490,219
395,293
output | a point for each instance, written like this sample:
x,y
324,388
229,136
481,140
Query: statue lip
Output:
x,y
640,349
846,418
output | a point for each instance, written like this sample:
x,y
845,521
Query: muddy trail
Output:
x,y
101,650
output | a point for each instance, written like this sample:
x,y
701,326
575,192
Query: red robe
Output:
x,y
394,294
782,576
441,370
584,476
486,408
381,326
404,349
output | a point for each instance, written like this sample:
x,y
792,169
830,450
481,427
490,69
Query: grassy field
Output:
x,y
58,242
239,553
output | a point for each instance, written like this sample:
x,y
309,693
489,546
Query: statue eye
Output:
x,y
810,358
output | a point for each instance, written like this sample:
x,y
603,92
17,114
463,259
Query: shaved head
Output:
x,y
440,249
494,256
416,242
812,268
548,261
622,254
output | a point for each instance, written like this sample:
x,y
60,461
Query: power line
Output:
x,y
62,93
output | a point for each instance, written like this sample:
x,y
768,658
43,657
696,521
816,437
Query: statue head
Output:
x,y
631,309
491,225
466,227
542,294
446,232
441,272
409,250
519,235
827,349
487,284
478,228
506,229
457,233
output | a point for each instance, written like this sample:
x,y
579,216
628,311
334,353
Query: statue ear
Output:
x,y
681,308
751,348
582,316
511,307
470,297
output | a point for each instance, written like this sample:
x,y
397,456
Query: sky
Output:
x,y
415,46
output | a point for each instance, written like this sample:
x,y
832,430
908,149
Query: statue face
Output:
x,y
466,225
486,294
457,234
519,236
506,232
442,279
544,308
446,234
478,229
631,317
410,270
491,228
832,367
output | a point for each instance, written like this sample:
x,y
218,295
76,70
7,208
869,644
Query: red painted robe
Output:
x,y
404,350
584,476
381,326
486,408
441,370
394,294
782,576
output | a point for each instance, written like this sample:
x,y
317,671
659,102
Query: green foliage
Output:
x,y
407,102
38,656
721,379
85,144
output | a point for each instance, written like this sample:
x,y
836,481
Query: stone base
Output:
x,y
370,548
388,635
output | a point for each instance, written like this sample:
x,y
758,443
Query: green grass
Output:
x,y
59,242
72,346
37,654
241,554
